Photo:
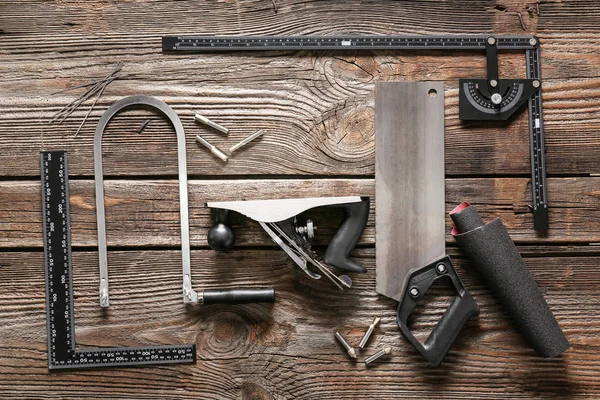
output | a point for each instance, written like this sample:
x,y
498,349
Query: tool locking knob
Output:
x,y
308,230
221,237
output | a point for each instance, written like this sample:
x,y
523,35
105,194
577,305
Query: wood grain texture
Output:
x,y
316,107
146,213
150,209
318,111
288,351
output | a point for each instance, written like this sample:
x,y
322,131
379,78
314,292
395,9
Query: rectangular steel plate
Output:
x,y
409,180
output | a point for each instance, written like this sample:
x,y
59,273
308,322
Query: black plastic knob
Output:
x,y
221,237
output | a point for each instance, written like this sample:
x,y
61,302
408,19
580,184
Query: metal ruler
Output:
x,y
245,43
536,146
62,352
528,44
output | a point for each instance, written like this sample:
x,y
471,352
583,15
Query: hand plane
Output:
x,y
279,218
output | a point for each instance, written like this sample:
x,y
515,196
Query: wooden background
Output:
x,y
317,108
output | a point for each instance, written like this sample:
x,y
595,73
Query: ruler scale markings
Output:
x,y
537,150
228,43
62,352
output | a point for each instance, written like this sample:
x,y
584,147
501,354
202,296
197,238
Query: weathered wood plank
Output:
x,y
316,107
146,213
257,16
297,16
288,350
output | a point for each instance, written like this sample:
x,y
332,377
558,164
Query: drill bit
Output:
x,y
202,119
247,140
213,149
97,86
379,354
368,333
91,107
349,349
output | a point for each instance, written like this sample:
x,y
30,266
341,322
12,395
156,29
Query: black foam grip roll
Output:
x,y
491,250
238,296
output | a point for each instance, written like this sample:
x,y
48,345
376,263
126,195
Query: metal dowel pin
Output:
x,y
247,140
368,333
213,149
379,354
203,120
349,349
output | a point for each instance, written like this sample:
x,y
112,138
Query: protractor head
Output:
x,y
478,103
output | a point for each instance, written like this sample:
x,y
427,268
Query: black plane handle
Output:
x,y
238,296
347,235
462,308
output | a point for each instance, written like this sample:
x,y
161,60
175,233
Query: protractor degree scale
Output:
x,y
488,99
62,351
513,93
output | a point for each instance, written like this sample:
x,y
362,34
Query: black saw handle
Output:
x,y
347,235
238,296
443,335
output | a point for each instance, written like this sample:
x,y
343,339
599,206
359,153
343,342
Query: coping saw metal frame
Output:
x,y
189,295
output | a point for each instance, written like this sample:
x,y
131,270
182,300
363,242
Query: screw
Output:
x,y
493,83
344,343
379,354
441,268
202,119
532,41
491,40
496,98
368,333
414,292
536,84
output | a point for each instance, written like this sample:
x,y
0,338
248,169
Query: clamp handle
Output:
x,y
443,335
